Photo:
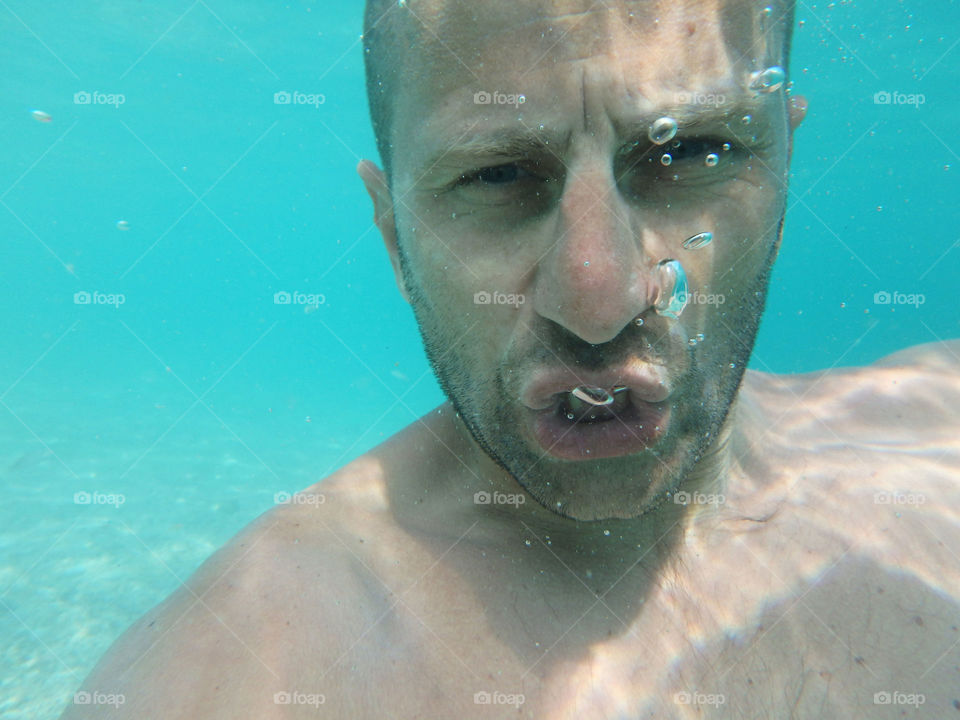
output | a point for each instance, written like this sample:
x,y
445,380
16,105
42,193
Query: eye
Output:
x,y
689,162
693,149
522,186
693,153
495,175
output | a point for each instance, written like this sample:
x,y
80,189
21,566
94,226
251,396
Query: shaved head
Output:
x,y
402,39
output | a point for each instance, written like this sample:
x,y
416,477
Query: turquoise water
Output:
x,y
198,398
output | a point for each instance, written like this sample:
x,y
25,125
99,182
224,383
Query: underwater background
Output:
x,y
156,192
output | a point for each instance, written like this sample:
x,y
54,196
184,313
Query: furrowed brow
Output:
x,y
498,144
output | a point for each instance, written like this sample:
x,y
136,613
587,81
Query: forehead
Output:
x,y
473,34
561,54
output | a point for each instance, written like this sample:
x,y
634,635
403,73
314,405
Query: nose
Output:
x,y
597,276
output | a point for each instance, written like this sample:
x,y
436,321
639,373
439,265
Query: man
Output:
x,y
610,518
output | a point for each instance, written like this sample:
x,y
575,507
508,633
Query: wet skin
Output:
x,y
798,595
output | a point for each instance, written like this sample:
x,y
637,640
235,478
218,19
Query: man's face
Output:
x,y
563,201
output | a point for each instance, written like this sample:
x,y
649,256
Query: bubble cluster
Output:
x,y
662,130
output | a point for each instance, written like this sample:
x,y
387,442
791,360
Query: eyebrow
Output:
x,y
512,142
501,142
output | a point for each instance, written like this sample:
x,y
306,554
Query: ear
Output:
x,y
797,111
376,183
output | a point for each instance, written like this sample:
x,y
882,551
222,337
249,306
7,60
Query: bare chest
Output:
x,y
784,623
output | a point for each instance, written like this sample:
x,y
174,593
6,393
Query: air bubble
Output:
x,y
698,241
726,147
692,342
672,297
769,80
662,130
123,225
41,116
711,160
666,159
746,119
638,322
732,365
598,397
699,337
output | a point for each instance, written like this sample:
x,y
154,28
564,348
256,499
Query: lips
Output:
x,y
635,420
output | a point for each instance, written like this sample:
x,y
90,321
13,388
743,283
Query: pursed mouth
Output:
x,y
575,429
591,415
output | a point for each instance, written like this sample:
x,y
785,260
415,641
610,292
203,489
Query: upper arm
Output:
x,y
259,618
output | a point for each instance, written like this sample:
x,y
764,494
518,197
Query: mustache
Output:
x,y
651,343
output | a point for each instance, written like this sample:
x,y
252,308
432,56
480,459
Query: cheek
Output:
x,y
746,229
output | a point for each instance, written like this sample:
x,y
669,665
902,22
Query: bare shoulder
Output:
x,y
882,434
267,620
849,508
909,397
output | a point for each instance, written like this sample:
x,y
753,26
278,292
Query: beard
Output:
x,y
486,399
